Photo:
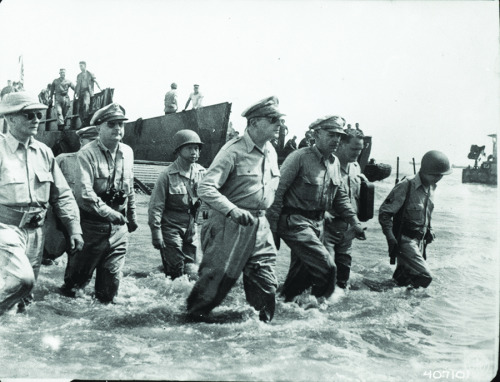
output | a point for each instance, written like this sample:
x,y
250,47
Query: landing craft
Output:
x,y
484,171
149,138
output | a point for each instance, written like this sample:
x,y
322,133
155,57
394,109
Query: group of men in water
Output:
x,y
248,206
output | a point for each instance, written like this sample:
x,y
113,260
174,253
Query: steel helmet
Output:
x,y
435,163
186,137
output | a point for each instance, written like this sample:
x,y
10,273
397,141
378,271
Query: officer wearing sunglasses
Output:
x,y
30,180
104,190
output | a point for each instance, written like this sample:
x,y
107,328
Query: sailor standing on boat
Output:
x,y
310,184
174,204
30,179
336,241
196,97
60,87
405,217
239,186
104,190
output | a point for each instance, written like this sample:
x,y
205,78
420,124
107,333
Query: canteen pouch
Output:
x,y
366,201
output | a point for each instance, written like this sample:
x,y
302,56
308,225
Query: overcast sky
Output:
x,y
416,75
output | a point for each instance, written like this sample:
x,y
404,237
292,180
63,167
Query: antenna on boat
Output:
x,y
397,171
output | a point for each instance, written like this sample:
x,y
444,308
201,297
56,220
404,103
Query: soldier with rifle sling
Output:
x,y
405,217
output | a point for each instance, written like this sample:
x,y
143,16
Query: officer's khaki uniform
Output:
x,y
335,224
411,266
170,219
105,242
242,175
30,179
309,185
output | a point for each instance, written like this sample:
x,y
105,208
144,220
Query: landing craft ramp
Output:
x,y
151,139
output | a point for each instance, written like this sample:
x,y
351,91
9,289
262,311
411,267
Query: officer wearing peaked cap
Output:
x,y
310,184
174,204
57,237
239,186
30,180
104,189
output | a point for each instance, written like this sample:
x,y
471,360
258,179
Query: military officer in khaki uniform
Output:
x,y
30,180
173,207
336,237
104,190
310,184
239,186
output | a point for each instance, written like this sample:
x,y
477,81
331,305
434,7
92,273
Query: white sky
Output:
x,y
416,75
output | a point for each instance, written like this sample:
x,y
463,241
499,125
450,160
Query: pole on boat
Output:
x,y
397,171
414,169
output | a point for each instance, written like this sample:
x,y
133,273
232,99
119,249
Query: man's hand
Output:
x,y
76,242
359,232
277,240
242,217
132,226
393,244
117,218
158,244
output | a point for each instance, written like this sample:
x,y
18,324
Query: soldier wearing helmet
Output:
x,y
310,184
405,217
174,205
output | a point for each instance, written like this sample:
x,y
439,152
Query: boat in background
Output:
x,y
483,171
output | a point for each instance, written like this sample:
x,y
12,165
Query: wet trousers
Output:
x,y
311,264
179,254
62,107
20,257
411,268
104,251
228,250
339,249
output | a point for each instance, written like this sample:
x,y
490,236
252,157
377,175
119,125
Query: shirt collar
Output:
x,y
105,149
176,168
418,183
251,144
331,158
13,143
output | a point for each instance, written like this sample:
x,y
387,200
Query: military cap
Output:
x,y
83,62
89,132
112,112
267,107
330,123
18,101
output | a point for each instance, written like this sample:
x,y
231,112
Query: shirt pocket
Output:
x,y
415,213
247,170
13,182
101,177
44,181
312,188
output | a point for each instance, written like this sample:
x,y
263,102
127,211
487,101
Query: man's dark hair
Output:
x,y
352,133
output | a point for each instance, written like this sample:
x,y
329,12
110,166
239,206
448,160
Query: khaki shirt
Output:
x,y
352,183
60,88
97,171
170,196
419,208
241,175
170,102
310,182
30,177
85,82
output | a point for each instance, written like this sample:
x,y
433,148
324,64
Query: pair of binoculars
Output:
x,y
112,196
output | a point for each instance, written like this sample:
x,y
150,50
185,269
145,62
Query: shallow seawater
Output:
x,y
368,333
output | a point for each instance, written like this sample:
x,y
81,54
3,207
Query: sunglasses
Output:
x,y
112,124
273,120
30,115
